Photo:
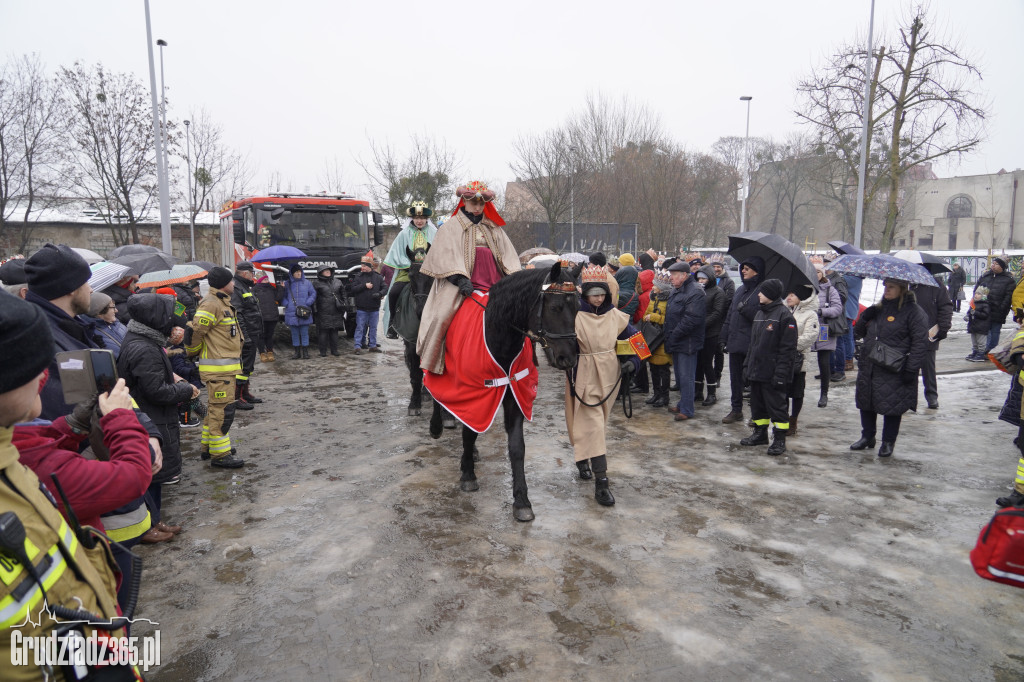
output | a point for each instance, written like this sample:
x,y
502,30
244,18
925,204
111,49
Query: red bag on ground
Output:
x,y
999,554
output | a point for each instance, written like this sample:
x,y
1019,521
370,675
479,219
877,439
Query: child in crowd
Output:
x,y
978,323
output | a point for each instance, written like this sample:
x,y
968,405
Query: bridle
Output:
x,y
541,336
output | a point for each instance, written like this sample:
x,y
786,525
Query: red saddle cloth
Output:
x,y
474,384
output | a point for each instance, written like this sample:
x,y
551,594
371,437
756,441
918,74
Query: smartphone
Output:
x,y
84,373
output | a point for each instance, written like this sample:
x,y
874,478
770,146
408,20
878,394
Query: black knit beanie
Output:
x,y
55,271
772,288
219,277
26,344
13,271
598,258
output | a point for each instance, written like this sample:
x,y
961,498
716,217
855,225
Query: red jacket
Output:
x,y
646,279
93,487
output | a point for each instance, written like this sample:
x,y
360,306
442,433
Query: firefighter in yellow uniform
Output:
x,y
217,339
64,573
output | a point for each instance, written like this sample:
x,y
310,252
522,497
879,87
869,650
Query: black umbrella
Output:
x,y
131,249
141,263
847,249
783,260
204,264
932,264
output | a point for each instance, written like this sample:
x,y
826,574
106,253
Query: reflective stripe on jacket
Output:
x,y
216,338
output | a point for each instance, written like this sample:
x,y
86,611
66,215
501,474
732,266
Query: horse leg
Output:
x,y
468,481
412,361
435,421
521,508
447,419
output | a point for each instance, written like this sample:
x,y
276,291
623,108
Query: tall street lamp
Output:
x,y
188,178
572,199
746,167
866,113
161,170
163,115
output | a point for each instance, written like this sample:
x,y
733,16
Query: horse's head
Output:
x,y
554,322
418,282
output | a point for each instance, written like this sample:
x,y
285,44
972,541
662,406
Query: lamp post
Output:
x,y
188,178
861,177
161,170
572,200
746,167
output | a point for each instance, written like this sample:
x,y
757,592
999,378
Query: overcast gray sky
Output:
x,y
295,83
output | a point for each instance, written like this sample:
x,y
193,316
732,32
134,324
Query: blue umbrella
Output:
x,y
276,253
883,266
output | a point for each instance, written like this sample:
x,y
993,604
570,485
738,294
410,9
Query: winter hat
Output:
x,y
13,271
772,288
627,259
295,267
756,263
98,303
219,277
167,291
26,344
662,281
244,265
695,261
55,271
613,262
679,266
367,259
646,262
1002,263
598,259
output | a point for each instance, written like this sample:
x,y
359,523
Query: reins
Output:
x,y
627,398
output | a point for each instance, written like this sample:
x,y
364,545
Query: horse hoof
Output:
x,y
414,411
435,434
469,486
523,513
476,454
448,422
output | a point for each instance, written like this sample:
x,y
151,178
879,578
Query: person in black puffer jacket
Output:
x,y
188,295
330,310
899,323
1000,287
268,295
736,331
367,287
769,367
147,372
715,318
250,320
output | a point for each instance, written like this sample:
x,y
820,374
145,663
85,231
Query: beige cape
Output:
x,y
596,374
453,252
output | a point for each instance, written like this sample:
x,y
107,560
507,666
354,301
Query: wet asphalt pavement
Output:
x,y
345,549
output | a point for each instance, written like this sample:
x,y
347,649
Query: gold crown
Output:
x,y
593,274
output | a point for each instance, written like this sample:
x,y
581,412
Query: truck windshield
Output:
x,y
312,227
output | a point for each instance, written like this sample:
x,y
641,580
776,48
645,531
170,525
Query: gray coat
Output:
x,y
830,306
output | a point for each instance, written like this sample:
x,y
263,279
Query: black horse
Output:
x,y
539,303
415,295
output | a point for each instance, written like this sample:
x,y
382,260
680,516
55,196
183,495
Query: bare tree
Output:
x,y
12,158
922,107
331,178
217,172
426,173
546,167
110,160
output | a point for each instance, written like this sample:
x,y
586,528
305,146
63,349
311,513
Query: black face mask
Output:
x,y
475,219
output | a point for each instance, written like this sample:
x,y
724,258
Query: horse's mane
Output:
x,y
513,297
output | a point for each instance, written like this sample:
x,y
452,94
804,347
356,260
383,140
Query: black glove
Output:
x,y
463,283
940,336
908,377
870,313
627,369
80,419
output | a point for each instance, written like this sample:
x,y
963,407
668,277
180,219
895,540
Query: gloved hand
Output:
x,y
870,313
627,369
462,282
908,377
80,419
778,383
721,346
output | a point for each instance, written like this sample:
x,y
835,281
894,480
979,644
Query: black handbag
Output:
x,y
303,312
887,357
838,326
654,334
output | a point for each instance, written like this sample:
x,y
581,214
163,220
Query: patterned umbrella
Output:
x,y
932,264
105,273
575,257
176,275
783,259
883,266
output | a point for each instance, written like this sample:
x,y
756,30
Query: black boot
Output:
x,y
298,353
778,445
305,352
758,437
712,398
584,467
823,400
601,493
698,391
1014,499
249,397
885,449
240,403
391,333
864,443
